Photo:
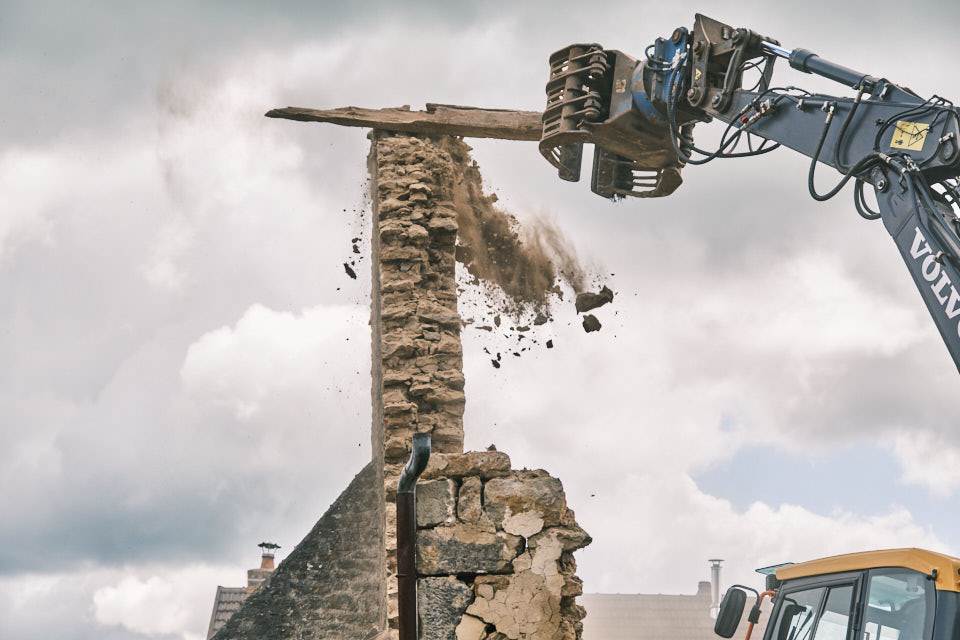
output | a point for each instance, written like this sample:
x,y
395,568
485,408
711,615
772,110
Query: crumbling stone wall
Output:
x,y
495,545
421,361
418,380
495,549
495,552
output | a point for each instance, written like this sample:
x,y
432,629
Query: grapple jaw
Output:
x,y
590,100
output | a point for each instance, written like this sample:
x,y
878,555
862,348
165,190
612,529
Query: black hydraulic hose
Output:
x,y
753,152
860,202
407,537
843,132
864,163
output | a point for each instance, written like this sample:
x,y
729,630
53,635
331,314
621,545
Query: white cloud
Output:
x,y
810,306
24,175
659,530
132,602
167,602
929,460
269,352
162,269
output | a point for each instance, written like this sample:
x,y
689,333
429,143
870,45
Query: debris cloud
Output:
x,y
528,262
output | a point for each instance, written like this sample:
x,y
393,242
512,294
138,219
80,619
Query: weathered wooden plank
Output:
x,y
438,119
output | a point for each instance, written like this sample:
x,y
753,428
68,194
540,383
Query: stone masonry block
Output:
x,y
525,492
464,548
436,502
486,464
441,601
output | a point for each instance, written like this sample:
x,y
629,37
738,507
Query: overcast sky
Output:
x,y
186,365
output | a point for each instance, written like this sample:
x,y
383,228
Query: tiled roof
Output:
x,y
656,617
647,617
225,604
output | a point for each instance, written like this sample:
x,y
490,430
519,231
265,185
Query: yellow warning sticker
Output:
x,y
909,135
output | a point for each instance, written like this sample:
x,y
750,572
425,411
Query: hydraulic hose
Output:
x,y
863,163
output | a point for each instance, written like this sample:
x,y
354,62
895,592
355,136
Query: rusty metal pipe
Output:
x,y
754,617
408,615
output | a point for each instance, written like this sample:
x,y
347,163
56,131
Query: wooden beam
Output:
x,y
438,119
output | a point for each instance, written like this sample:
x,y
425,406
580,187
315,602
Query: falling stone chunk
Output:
x,y
349,270
588,301
590,323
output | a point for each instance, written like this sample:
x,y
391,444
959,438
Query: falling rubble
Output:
x,y
590,323
588,301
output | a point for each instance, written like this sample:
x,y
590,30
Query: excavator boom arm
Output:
x,y
640,116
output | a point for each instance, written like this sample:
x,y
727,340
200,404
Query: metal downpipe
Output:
x,y
409,618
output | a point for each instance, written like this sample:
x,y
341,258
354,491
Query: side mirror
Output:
x,y
730,613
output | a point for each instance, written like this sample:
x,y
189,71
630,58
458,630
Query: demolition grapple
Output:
x,y
640,116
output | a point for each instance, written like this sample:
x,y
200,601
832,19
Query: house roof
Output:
x,y
330,585
644,616
647,616
225,604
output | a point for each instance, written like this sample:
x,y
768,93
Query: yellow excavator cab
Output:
x,y
945,568
890,594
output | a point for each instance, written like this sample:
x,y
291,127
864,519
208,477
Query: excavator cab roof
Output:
x,y
945,569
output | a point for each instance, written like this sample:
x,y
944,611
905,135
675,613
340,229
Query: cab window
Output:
x,y
797,612
834,622
821,613
900,605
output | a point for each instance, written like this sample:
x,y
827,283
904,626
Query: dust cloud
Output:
x,y
528,263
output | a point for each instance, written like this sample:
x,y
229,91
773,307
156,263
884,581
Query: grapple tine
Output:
x,y
589,100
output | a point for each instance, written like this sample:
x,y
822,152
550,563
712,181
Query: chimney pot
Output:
x,y
266,561
715,585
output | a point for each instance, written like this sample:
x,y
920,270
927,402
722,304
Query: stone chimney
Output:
x,y
256,577
715,585
266,561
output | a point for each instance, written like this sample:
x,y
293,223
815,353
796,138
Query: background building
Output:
x,y
643,616
228,599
